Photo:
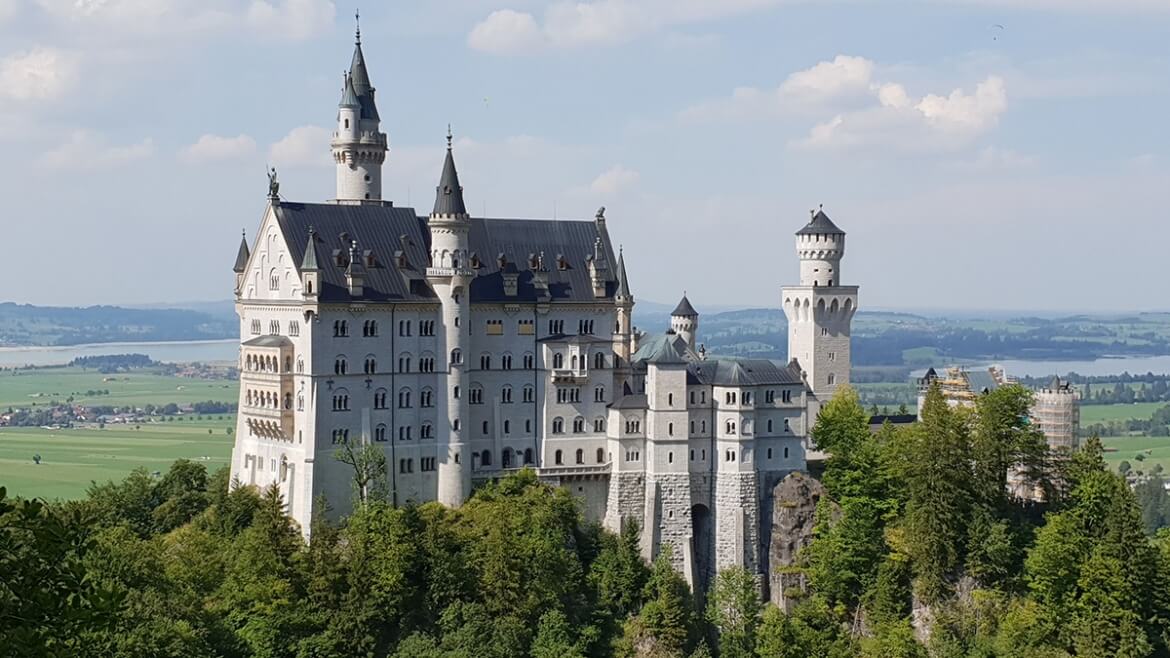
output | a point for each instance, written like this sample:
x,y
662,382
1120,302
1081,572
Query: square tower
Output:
x,y
820,310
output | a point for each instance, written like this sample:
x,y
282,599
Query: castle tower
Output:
x,y
359,146
624,331
450,275
684,320
820,309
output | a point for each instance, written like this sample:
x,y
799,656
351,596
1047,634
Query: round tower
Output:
x,y
820,246
684,321
359,146
450,275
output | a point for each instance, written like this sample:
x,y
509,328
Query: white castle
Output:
x,y
466,348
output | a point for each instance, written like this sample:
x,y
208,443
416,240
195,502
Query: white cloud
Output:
x,y
302,146
284,19
613,180
900,122
210,148
577,24
87,150
37,74
506,31
842,76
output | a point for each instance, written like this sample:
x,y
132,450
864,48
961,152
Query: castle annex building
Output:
x,y
467,347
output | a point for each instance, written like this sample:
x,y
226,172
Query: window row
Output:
x,y
579,457
266,399
558,425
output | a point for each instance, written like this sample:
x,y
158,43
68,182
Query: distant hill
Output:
x,y
27,325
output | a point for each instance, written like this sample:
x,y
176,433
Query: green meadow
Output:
x,y
73,458
22,388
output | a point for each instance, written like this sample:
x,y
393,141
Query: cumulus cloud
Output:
x,y
577,24
302,146
613,180
209,148
864,110
88,150
37,74
932,122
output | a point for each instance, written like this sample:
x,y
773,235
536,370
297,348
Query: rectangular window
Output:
x,y
526,327
494,328
255,327
426,464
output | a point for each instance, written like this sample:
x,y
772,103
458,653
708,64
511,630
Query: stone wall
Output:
x,y
737,522
625,501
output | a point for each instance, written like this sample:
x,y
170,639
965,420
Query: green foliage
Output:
x,y
733,610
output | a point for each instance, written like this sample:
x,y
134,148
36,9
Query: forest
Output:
x,y
919,549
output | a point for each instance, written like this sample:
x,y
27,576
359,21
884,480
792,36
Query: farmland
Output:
x,y
72,458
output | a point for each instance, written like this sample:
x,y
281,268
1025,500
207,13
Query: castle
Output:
x,y
467,347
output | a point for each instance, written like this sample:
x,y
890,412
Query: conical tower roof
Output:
x,y
623,284
820,224
449,193
349,97
309,262
684,309
242,255
361,79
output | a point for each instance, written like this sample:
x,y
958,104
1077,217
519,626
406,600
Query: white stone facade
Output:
x,y
464,353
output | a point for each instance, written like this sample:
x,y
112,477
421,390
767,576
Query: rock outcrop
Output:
x,y
794,508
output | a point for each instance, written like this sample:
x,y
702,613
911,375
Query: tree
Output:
x,y
733,610
554,637
935,465
369,471
666,624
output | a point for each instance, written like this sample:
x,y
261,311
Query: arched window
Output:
x,y
371,366
426,398
456,356
559,457
486,458
580,456
380,398
769,424
404,398
600,456
558,425
599,360
485,427
529,394
670,429
380,433
529,361
340,366
288,400
578,425
558,360
506,458
506,395
506,362
485,361
832,379
598,424
507,426
528,455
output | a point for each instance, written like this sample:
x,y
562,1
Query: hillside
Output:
x,y
27,325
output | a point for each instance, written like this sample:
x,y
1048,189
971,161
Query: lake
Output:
x,y
204,351
1134,365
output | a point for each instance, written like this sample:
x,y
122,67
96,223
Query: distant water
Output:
x,y
203,351
1134,365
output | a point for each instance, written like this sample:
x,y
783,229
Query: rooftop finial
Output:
x,y
448,137
357,31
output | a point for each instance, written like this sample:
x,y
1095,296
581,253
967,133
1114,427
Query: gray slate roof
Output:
x,y
268,341
820,224
630,401
349,97
361,83
715,370
623,289
383,230
684,309
242,256
449,193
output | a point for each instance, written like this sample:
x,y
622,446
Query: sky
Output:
x,y
981,154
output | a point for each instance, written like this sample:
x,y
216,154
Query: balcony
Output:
x,y
569,376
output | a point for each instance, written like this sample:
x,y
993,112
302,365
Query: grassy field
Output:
x,y
1103,413
71,459
19,388
1121,448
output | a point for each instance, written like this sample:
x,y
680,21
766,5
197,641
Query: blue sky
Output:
x,y
974,167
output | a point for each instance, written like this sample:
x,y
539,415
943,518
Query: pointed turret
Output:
x,y
349,97
623,284
684,308
359,145
684,320
449,193
242,255
309,262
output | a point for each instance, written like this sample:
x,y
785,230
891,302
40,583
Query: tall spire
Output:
x,y
242,255
623,288
309,262
349,97
449,193
361,77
